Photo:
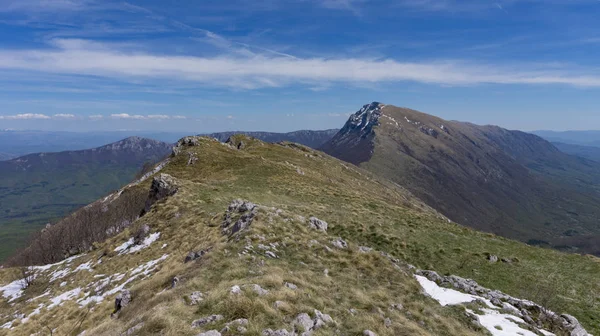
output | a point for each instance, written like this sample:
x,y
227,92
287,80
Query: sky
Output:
x,y
283,65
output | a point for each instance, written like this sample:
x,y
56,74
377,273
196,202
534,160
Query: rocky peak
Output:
x,y
367,116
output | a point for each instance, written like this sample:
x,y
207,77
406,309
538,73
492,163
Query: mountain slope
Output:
x,y
507,182
312,139
266,260
38,188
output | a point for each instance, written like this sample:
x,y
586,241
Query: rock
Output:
x,y
141,234
259,290
317,224
387,322
240,323
279,304
162,187
196,297
248,211
280,332
321,320
122,300
396,306
572,325
506,260
271,254
326,272
492,258
365,249
206,320
188,141
174,282
192,158
291,286
369,333
303,322
353,311
210,333
236,289
195,255
339,243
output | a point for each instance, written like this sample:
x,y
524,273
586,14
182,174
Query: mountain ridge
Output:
x,y
281,239
481,176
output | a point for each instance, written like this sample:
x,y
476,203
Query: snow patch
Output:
x,y
13,290
129,247
66,296
508,325
444,296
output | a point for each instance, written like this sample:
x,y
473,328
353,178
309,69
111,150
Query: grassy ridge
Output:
x,y
359,207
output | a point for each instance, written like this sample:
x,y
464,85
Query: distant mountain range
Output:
x,y
511,183
584,138
313,139
38,188
588,152
18,143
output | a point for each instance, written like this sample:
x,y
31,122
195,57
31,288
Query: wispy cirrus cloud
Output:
x,y
25,116
80,57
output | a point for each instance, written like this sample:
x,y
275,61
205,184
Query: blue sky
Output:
x,y
201,66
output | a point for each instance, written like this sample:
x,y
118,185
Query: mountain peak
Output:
x,y
369,114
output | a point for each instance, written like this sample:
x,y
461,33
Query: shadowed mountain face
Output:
x,y
313,139
38,188
508,182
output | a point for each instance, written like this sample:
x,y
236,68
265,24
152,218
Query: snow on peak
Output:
x,y
368,115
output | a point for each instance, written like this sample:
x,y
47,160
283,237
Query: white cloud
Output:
x,y
64,116
25,116
84,58
96,117
158,116
127,116
179,117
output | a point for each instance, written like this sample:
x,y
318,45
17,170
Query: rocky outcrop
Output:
x,y
141,234
122,300
532,313
206,320
195,255
317,224
238,217
162,187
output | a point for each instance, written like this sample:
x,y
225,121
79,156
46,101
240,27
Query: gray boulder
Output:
x,y
303,322
369,333
210,333
239,325
141,234
122,300
162,187
493,258
195,255
572,325
317,224
339,243
291,286
206,320
248,211
196,297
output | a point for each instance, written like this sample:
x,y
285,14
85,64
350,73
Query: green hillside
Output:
x,y
292,183
41,188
